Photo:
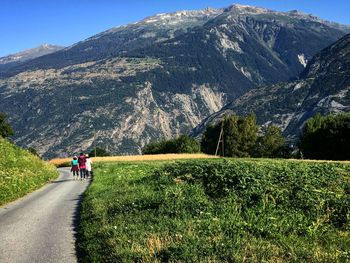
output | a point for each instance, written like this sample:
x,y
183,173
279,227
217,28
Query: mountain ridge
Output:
x,y
13,60
30,53
148,81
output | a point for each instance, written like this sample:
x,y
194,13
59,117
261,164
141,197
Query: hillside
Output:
x,y
155,78
323,87
21,172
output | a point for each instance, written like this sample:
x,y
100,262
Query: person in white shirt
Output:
x,y
88,166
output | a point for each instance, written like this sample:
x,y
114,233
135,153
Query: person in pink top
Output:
x,y
82,166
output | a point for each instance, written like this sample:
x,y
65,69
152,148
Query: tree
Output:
x,y
186,144
5,128
239,136
99,152
210,138
326,137
271,143
182,144
248,134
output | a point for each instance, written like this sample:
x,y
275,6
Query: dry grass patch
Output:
x,y
134,158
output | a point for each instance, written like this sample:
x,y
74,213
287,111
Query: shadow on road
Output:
x,y
61,181
76,224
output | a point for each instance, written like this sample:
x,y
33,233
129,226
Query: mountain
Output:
x,y
29,54
323,87
156,78
120,40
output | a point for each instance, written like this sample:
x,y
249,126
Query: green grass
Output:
x,y
21,172
217,211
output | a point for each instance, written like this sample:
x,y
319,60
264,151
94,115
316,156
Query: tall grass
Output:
x,y
21,172
217,211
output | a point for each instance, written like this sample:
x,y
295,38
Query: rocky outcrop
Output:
x,y
324,87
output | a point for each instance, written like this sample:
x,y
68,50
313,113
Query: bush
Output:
x,y
326,137
183,144
5,128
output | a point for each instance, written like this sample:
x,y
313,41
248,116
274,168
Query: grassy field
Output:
x,y
21,172
135,158
217,211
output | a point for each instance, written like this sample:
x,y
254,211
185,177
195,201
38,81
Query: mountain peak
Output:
x,y
47,46
31,53
183,14
246,9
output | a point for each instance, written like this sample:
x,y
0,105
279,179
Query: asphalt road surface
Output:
x,y
41,226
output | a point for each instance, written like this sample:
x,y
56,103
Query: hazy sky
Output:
x,y
29,23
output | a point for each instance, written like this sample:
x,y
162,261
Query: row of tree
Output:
x,y
323,137
234,136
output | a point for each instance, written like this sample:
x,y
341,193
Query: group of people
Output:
x,y
81,165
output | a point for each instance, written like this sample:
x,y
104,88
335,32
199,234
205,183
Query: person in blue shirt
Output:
x,y
75,168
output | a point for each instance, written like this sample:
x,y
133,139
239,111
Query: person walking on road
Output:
x,y
88,166
75,168
82,166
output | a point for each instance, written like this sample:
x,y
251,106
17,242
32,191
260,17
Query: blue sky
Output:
x,y
29,23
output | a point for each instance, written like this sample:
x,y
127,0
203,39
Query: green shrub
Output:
x,y
5,128
21,172
183,144
327,137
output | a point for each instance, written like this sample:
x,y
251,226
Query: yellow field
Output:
x,y
131,158
164,157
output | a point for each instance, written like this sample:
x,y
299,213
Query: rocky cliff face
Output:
x,y
324,87
156,78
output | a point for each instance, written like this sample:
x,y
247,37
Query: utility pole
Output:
x,y
221,140
95,140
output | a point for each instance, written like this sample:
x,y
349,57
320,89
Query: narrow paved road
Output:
x,y
40,227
